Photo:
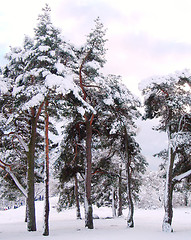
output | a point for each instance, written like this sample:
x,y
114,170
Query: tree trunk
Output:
x,y
120,213
88,203
186,187
186,198
78,214
113,202
167,221
46,180
31,219
130,221
26,211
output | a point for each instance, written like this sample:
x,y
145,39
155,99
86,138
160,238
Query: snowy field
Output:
x,y
64,225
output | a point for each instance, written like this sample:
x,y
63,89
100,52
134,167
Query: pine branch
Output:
x,y
20,140
7,168
182,176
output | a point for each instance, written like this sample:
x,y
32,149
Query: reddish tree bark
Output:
x,y
88,203
88,171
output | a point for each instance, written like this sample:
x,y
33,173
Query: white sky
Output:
x,y
145,37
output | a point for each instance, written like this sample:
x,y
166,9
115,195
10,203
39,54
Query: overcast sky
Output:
x,y
145,37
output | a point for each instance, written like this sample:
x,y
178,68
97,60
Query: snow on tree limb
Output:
x,y
164,79
182,176
64,86
7,168
16,181
22,142
3,86
35,101
180,138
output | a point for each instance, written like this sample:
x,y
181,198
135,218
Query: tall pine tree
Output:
x,y
168,99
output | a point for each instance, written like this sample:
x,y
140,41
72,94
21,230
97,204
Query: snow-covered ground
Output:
x,y
65,226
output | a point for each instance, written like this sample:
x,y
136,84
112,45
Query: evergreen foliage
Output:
x,y
168,98
49,85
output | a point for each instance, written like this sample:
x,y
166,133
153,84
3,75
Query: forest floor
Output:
x,y
64,225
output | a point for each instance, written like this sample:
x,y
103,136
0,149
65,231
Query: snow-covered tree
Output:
x,y
91,58
168,99
151,195
36,71
69,166
121,131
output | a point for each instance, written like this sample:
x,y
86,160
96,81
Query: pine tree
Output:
x,y
151,194
90,58
27,71
168,98
121,131
70,164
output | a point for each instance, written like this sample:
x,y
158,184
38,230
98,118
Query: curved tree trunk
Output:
x,y
88,203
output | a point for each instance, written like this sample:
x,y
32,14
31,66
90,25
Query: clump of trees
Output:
x,y
49,82
58,110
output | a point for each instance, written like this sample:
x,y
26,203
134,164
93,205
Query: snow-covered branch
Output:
x,y
22,142
66,85
180,138
7,169
182,176
176,77
3,86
